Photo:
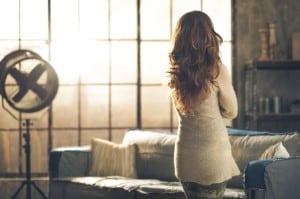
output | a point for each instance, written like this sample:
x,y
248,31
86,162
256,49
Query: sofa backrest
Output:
x,y
246,148
249,145
155,151
154,154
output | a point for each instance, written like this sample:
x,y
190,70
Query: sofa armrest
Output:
x,y
69,161
274,178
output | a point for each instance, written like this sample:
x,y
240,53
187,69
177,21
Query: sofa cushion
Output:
x,y
292,144
87,188
246,148
112,187
112,159
154,154
275,151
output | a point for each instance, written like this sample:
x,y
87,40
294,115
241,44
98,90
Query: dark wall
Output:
x,y
249,16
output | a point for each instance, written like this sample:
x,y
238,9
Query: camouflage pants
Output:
x,y
196,191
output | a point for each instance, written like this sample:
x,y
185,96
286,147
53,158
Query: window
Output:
x,y
112,73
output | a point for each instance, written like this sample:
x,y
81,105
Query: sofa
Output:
x,y
141,167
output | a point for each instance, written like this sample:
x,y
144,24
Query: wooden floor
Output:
x,y
9,186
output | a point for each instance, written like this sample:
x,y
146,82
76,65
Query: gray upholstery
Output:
x,y
282,179
273,179
154,166
154,155
122,188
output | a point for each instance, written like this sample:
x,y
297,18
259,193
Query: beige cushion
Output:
x,y
112,159
275,151
248,148
251,147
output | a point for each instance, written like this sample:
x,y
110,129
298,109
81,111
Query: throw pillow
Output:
x,y
112,159
275,151
248,148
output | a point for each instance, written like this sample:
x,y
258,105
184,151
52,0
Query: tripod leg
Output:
x,y
39,190
18,190
28,190
28,181
27,148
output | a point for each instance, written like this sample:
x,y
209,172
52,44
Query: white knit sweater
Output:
x,y
202,150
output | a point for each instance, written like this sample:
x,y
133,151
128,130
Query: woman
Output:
x,y
203,96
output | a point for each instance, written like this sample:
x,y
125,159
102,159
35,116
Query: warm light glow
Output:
x,y
93,47
80,58
66,59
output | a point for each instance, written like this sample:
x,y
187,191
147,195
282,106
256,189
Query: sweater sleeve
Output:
x,y
227,97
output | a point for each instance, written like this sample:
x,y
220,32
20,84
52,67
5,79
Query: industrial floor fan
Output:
x,y
28,84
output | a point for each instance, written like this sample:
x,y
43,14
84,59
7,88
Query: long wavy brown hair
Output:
x,y
194,60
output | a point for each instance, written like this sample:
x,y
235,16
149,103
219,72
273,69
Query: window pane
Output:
x,y
64,19
94,19
93,62
9,151
63,138
7,47
118,135
39,47
94,50
33,27
94,106
88,135
89,60
155,19
123,19
154,61
123,106
181,7
155,106
65,107
9,18
42,120
220,13
174,117
64,57
124,62
226,55
7,121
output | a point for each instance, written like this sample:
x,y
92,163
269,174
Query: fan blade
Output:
x,y
39,90
22,92
21,81
35,74
18,76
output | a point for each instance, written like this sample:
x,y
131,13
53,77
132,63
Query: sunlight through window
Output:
x,y
111,57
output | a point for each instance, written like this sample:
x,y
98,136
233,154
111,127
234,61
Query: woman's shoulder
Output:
x,y
224,75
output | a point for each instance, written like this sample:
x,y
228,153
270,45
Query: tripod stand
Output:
x,y
36,83
28,182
